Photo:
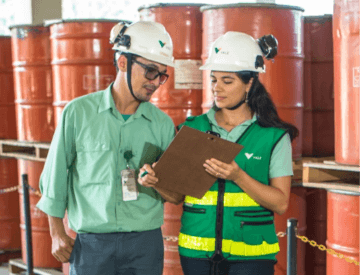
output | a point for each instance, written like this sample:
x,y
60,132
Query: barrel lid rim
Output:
x,y
344,192
160,4
75,20
325,16
3,36
251,5
26,26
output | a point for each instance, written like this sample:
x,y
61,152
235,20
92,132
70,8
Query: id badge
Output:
x,y
129,188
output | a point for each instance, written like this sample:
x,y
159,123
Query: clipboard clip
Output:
x,y
213,133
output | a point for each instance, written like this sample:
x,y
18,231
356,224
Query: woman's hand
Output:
x,y
149,180
222,170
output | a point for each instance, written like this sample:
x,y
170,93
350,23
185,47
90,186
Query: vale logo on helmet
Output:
x,y
162,44
217,50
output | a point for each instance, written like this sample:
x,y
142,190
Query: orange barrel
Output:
x,y
316,206
9,202
342,231
41,239
347,81
82,58
170,230
9,206
7,105
32,76
284,77
318,129
72,234
181,95
297,210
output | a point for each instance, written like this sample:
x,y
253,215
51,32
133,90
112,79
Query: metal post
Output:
x,y
29,255
291,247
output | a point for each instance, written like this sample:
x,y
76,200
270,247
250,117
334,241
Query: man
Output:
x,y
100,144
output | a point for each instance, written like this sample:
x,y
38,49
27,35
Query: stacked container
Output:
x,y
9,202
35,123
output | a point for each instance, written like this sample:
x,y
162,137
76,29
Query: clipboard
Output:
x,y
180,169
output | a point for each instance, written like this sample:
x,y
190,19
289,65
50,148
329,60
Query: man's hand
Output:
x,y
62,247
149,180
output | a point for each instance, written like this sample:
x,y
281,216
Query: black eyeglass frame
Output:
x,y
147,68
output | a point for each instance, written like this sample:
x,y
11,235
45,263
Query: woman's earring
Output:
x,y
246,98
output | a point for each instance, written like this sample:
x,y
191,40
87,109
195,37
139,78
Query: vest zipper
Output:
x,y
241,214
256,223
194,210
219,218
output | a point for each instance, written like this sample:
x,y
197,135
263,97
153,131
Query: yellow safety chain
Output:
x,y
19,187
10,189
303,238
330,251
175,239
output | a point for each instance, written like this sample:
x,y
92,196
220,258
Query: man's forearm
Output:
x,y
56,225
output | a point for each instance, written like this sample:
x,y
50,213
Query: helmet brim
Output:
x,y
229,68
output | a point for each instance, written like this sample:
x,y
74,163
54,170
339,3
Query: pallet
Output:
x,y
331,175
6,255
298,167
17,266
36,151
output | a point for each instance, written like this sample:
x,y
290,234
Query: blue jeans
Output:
x,y
123,253
192,266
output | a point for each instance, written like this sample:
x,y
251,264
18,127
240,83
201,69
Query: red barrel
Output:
x,y
82,59
284,77
41,239
297,210
318,128
32,74
181,95
342,231
9,202
316,209
346,81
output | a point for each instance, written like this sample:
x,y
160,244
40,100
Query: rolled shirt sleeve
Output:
x,y
54,178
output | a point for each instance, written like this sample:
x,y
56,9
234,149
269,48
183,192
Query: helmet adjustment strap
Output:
x,y
247,96
129,58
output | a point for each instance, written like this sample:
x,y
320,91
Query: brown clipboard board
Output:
x,y
180,168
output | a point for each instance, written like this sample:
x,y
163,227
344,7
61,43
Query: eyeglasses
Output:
x,y
152,73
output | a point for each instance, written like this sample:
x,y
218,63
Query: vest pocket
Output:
x,y
194,210
255,233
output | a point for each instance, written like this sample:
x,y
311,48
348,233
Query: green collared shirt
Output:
x,y
281,157
82,172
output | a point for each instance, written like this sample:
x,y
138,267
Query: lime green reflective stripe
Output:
x,y
210,198
243,249
197,243
230,199
228,246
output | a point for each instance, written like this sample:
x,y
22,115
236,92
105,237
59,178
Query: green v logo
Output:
x,y
162,44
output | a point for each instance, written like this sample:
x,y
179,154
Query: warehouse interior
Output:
x,y
54,51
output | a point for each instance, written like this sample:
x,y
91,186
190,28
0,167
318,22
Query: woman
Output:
x,y
231,229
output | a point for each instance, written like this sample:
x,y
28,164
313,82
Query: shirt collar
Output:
x,y
211,116
107,102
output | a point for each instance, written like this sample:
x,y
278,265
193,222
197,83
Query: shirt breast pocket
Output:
x,y
93,163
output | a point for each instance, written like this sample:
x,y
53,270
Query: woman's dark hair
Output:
x,y
260,102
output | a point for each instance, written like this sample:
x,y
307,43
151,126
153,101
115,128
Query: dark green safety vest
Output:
x,y
226,221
